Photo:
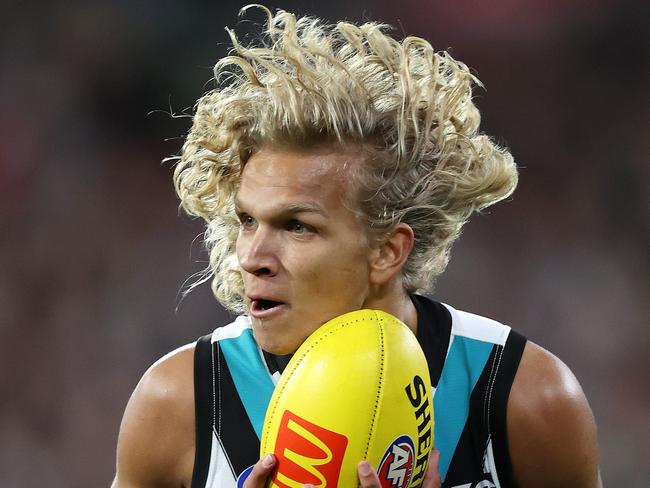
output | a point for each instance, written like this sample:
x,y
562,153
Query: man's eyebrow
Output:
x,y
303,207
290,208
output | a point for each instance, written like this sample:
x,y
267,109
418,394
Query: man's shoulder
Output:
x,y
156,441
549,418
545,385
166,389
167,379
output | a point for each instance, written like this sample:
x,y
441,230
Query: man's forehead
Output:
x,y
304,190
323,170
305,167
312,177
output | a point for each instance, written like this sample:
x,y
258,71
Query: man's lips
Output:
x,y
265,307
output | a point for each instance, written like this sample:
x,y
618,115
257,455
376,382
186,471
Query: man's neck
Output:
x,y
397,303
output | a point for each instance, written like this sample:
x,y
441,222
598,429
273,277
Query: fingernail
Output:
x,y
268,461
364,468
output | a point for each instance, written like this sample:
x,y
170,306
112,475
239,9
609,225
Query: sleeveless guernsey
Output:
x,y
472,362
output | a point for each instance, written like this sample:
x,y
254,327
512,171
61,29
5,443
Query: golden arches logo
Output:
x,y
307,453
307,463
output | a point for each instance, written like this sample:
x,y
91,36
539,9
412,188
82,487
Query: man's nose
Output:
x,y
257,253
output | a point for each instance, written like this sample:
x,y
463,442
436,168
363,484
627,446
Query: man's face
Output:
x,y
303,254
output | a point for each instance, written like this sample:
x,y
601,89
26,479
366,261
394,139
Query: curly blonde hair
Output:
x,y
307,82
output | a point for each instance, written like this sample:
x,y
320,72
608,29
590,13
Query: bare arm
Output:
x,y
551,429
155,447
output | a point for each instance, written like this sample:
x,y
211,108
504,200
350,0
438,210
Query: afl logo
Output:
x,y
396,467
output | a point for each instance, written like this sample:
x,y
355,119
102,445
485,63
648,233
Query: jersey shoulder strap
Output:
x,y
203,410
502,379
482,360
472,361
232,389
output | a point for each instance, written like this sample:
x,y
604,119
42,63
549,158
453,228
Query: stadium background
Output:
x,y
93,252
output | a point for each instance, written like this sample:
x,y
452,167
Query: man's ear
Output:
x,y
389,256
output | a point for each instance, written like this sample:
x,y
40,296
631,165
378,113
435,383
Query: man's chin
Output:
x,y
269,342
278,350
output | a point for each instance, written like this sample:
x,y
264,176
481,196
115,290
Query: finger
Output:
x,y
367,476
260,472
432,477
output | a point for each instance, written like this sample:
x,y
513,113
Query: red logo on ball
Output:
x,y
396,467
307,453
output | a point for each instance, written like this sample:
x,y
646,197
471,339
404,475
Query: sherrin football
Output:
x,y
357,388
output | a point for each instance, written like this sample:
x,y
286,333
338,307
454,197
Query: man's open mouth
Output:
x,y
263,304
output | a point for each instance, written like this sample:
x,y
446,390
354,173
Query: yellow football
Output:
x,y
358,388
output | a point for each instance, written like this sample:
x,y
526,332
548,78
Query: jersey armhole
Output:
x,y
510,359
203,409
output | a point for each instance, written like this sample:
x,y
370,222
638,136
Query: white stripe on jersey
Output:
x,y
472,326
220,473
492,465
232,330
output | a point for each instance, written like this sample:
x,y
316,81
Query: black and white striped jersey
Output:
x,y
472,362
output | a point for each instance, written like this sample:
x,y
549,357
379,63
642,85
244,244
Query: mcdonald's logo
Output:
x,y
307,453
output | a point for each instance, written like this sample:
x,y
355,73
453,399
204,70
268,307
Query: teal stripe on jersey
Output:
x,y
463,367
251,378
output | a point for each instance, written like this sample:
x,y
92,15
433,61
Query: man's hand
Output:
x,y
261,471
369,479
367,476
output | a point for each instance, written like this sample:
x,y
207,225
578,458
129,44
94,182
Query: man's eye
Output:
x,y
246,221
298,227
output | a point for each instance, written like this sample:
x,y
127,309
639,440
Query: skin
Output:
x,y
155,447
294,218
551,429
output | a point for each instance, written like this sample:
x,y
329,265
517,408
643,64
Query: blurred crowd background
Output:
x,y
94,251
